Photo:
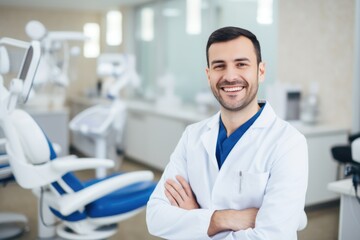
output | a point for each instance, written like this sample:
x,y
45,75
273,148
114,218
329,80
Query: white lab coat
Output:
x,y
272,156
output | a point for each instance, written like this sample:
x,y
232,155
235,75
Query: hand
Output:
x,y
232,220
180,194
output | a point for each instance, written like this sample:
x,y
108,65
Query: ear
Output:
x,y
261,72
207,71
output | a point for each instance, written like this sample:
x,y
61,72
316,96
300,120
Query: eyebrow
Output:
x,y
244,59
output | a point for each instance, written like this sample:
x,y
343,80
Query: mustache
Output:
x,y
227,83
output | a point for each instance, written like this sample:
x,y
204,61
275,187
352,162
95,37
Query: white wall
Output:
x,y
316,43
356,78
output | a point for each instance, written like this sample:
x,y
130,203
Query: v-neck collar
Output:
x,y
225,144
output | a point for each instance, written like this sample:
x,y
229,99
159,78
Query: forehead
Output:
x,y
240,47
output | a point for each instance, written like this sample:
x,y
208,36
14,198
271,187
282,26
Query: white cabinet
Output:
x,y
151,138
136,136
152,132
322,167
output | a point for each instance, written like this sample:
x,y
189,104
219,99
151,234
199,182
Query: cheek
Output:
x,y
252,77
212,80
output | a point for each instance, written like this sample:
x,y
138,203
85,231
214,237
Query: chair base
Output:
x,y
9,231
102,233
12,225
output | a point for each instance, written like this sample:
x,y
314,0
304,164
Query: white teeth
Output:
x,y
233,89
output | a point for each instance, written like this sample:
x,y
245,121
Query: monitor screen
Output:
x,y
29,67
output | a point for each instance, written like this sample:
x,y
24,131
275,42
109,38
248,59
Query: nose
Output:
x,y
231,74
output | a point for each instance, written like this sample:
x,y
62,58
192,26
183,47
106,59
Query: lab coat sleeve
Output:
x,y
283,204
171,222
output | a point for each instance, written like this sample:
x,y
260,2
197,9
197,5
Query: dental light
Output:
x,y
53,67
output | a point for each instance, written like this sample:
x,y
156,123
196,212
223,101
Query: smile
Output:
x,y
232,89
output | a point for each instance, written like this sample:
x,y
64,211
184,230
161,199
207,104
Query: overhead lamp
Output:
x,y
265,12
114,28
92,46
193,16
147,24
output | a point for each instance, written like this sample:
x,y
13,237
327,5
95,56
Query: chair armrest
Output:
x,y
69,163
72,202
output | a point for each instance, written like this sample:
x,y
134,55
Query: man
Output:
x,y
241,174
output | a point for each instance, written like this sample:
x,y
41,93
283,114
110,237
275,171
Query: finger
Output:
x,y
170,198
185,185
180,190
174,193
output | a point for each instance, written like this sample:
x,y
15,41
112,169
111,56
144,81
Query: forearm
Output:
x,y
172,222
218,223
232,220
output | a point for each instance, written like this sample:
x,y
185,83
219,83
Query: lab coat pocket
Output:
x,y
252,188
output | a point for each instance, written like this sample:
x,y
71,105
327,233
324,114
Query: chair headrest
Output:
x,y
31,136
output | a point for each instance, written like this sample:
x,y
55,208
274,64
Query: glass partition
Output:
x,y
165,48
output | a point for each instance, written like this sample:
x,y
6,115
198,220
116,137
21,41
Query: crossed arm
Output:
x,y
180,195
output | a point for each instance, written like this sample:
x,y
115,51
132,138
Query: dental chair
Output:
x,y
103,124
342,155
84,209
87,210
11,224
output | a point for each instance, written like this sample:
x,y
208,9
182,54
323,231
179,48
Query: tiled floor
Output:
x,y
322,224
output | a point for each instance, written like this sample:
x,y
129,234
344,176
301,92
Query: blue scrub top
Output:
x,y
225,144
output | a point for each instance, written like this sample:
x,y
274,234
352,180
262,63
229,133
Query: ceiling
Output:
x,y
72,4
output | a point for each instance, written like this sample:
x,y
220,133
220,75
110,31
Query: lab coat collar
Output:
x,y
209,138
265,119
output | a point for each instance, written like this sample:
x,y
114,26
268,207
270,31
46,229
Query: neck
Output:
x,y
234,119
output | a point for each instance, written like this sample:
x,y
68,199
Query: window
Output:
x,y
114,28
92,45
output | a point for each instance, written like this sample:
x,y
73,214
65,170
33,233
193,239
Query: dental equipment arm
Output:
x,y
121,67
49,39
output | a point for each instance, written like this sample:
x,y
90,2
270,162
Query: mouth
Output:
x,y
232,89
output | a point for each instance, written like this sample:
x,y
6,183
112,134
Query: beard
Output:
x,y
250,94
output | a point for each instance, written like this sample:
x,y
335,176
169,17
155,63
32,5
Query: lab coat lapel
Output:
x,y
266,118
209,138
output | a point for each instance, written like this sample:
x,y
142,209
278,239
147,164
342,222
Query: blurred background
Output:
x,y
148,57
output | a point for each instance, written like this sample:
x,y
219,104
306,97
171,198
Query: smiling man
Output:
x,y
241,174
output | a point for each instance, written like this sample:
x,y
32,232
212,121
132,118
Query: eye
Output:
x,y
218,66
241,64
